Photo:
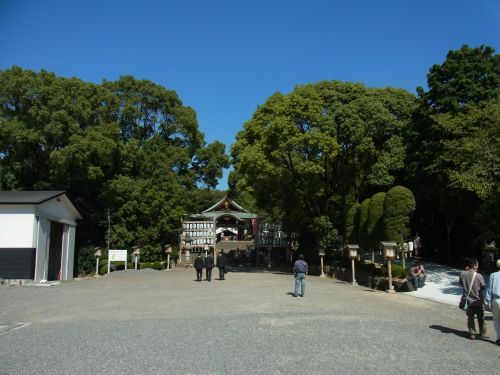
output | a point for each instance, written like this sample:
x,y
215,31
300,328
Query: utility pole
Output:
x,y
109,229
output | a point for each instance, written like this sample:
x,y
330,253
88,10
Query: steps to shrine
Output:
x,y
233,245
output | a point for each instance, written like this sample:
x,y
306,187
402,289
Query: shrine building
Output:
x,y
230,227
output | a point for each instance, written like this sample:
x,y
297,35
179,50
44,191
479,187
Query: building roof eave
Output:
x,y
236,205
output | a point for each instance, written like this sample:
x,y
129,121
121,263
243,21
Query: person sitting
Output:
x,y
422,276
417,275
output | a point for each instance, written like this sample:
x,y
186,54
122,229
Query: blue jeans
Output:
x,y
421,280
415,282
300,283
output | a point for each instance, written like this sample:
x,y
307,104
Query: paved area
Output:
x,y
164,322
441,285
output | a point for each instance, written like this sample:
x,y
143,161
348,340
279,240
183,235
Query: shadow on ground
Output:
x,y
462,334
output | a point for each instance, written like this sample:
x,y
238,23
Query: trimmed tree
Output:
x,y
352,224
399,203
375,223
363,221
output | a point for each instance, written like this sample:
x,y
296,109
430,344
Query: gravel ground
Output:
x,y
164,322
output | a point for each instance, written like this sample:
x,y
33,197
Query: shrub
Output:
x,y
85,260
103,269
375,221
174,255
115,266
399,203
158,266
154,265
151,253
369,268
352,224
363,224
397,271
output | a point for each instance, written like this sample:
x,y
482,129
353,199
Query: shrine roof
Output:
x,y
225,206
214,214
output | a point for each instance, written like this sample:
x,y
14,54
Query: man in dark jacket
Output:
x,y
473,284
300,269
221,263
198,265
209,264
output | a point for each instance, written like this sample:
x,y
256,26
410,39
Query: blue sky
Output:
x,y
224,58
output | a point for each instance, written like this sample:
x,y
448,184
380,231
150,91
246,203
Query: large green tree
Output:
x,y
453,153
129,147
315,151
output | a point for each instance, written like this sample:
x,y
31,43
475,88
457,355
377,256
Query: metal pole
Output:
x,y
97,266
168,261
109,229
136,262
322,273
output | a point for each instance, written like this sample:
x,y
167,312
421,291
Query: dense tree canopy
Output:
x,y
129,147
316,159
453,159
313,152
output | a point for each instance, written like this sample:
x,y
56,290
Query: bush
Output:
x,y
85,260
151,253
115,266
399,203
174,255
369,268
103,269
158,266
154,265
397,271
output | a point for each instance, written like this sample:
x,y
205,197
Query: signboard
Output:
x,y
117,256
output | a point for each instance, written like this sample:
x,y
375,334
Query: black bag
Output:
x,y
463,303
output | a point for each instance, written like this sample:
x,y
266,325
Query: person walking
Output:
x,y
221,263
493,299
473,285
300,269
198,265
209,264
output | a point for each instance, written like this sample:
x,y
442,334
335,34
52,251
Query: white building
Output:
x,y
37,235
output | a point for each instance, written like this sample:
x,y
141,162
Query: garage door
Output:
x,y
17,263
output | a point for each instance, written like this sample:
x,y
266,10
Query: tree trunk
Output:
x,y
449,227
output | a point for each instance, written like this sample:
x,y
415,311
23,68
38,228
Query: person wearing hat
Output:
x,y
493,299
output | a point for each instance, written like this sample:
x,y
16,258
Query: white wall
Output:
x,y
16,229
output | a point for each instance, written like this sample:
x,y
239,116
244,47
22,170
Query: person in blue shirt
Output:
x,y
493,299
300,269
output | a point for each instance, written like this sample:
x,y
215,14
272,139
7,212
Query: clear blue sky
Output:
x,y
224,58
